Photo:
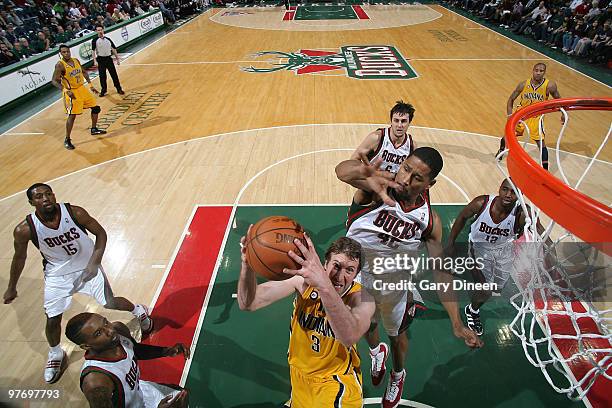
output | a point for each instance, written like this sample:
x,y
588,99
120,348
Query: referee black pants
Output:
x,y
106,63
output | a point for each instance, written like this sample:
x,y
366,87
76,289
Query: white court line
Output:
x,y
256,130
525,46
222,248
201,63
475,59
277,60
158,266
61,98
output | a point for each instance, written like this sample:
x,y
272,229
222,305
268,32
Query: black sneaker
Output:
x,y
498,155
68,144
96,131
120,92
101,94
473,321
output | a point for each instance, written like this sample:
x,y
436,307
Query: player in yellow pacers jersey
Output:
x,y
330,314
69,76
533,90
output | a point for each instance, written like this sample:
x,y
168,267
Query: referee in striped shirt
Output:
x,y
102,48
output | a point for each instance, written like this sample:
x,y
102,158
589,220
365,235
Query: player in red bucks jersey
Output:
x,y
110,376
402,200
497,220
71,264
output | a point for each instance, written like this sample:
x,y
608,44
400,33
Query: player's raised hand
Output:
x,y
243,245
470,338
311,270
178,348
379,181
9,295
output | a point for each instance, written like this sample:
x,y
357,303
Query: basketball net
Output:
x,y
561,270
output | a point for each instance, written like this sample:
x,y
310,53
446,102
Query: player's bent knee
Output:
x,y
96,109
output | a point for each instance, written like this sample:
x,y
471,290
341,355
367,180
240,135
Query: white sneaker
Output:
x,y
56,364
146,323
378,364
393,393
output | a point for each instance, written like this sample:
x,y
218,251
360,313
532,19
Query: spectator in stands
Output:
x,y
41,43
598,45
138,10
18,50
6,56
583,44
111,6
166,12
573,34
10,34
95,9
25,47
593,13
530,19
62,36
118,16
108,20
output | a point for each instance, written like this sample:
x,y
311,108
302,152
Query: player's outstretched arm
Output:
x,y
448,298
367,147
348,323
21,236
517,91
98,389
90,223
367,178
252,296
466,213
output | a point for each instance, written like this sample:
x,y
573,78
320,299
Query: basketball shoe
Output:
x,y
56,364
393,393
473,320
378,363
142,314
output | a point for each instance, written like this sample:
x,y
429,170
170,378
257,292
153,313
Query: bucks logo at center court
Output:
x,y
358,61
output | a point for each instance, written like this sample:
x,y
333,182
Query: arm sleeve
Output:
x,y
148,352
112,44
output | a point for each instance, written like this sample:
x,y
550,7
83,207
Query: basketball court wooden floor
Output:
x,y
214,134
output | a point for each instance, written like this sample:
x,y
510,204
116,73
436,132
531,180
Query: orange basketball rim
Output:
x,y
587,218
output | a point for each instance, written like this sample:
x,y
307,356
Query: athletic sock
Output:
x,y
56,349
396,375
375,350
138,310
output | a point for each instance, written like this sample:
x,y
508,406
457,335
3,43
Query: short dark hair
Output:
x,y
540,63
74,327
346,246
63,46
432,158
30,190
99,25
403,108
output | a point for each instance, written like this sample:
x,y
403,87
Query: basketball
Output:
x,y
268,243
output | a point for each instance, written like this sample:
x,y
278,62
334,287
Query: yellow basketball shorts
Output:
x,y
534,128
83,99
335,391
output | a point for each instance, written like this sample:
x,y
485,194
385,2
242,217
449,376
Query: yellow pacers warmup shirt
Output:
x,y
73,77
313,348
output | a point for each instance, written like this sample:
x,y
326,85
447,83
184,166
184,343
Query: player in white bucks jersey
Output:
x,y
71,264
399,220
110,376
391,145
497,220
